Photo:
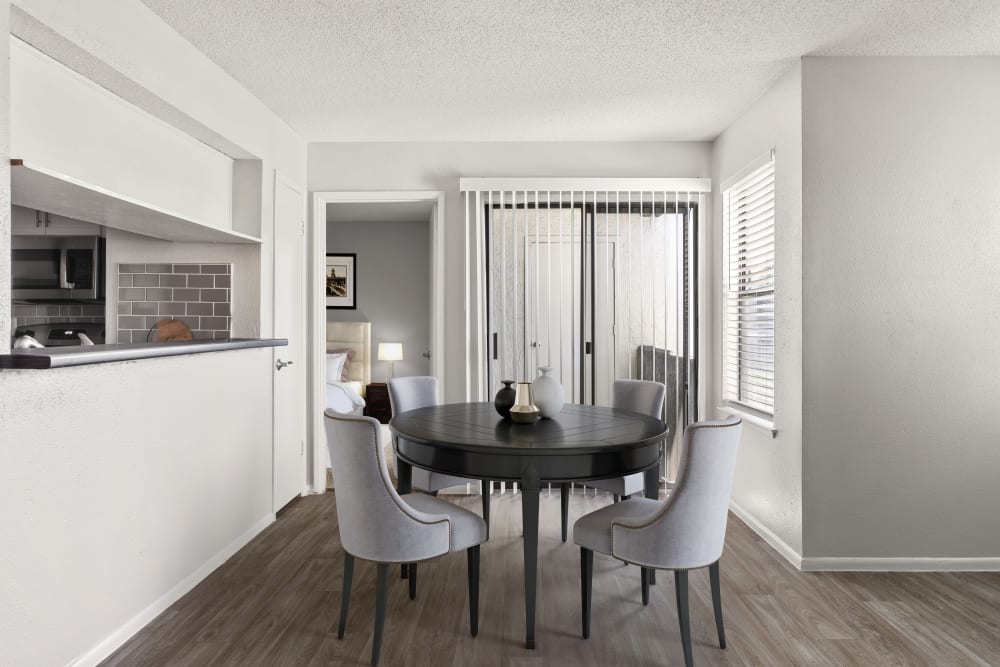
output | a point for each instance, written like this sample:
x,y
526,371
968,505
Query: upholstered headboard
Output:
x,y
357,336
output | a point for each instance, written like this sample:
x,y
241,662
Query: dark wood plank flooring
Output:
x,y
276,602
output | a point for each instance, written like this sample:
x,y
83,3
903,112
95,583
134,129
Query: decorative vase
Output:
x,y
524,410
549,395
505,398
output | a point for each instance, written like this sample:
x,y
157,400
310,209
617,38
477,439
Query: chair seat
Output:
x,y
621,486
467,529
593,531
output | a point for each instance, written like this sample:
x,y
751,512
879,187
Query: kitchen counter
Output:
x,y
83,355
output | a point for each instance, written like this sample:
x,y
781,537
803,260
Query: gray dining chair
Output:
x,y
377,524
685,532
420,391
645,397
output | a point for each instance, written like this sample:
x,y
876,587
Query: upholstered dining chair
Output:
x,y
645,397
410,393
684,533
379,525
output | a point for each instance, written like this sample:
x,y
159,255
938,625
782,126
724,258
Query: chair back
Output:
x,y
643,396
375,523
689,530
410,393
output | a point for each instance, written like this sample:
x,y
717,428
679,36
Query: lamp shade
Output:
x,y
390,351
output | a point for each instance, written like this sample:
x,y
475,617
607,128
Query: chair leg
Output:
x,y
628,497
616,499
681,586
345,594
402,571
412,572
645,586
564,508
472,554
713,575
381,595
485,491
586,586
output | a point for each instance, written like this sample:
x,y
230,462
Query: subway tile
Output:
x,y
24,310
159,268
131,268
124,336
223,281
131,294
201,335
173,280
200,309
131,322
221,335
215,323
125,280
151,321
187,268
215,295
145,308
186,295
72,311
159,294
215,268
125,308
192,322
146,280
172,308
94,310
201,281
222,309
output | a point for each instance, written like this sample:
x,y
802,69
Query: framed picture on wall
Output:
x,y
341,281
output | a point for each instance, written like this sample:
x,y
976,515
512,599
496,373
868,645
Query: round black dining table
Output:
x,y
581,443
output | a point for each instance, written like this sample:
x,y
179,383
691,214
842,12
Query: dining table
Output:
x,y
580,443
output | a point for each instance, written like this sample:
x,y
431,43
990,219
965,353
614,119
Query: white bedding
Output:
x,y
344,397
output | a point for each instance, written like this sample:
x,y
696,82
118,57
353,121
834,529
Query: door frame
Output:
x,y
316,313
281,179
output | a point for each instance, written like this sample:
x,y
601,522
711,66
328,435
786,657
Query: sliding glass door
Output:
x,y
598,285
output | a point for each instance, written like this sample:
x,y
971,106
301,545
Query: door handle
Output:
x,y
279,364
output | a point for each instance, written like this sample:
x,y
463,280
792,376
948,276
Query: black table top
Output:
x,y
578,429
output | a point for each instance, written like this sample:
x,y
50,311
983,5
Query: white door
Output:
x,y
289,362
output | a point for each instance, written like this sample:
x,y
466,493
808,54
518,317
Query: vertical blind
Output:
x,y
594,277
748,328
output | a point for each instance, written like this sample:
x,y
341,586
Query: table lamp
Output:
x,y
391,352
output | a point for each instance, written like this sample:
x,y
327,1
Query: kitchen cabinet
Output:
x,y
29,222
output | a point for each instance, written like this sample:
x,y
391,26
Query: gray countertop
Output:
x,y
82,355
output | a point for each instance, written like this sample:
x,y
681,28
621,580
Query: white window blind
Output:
x,y
748,329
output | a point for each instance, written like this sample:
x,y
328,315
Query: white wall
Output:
x,y
901,318
118,482
767,489
124,482
394,277
438,166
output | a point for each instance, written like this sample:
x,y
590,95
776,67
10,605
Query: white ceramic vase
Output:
x,y
549,395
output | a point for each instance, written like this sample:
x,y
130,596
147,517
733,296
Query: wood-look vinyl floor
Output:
x,y
276,602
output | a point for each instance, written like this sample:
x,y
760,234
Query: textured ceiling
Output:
x,y
546,70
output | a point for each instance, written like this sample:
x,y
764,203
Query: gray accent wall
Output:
x,y
393,287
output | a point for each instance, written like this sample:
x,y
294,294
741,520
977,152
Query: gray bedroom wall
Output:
x,y
393,288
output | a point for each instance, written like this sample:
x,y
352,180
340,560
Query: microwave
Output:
x,y
57,267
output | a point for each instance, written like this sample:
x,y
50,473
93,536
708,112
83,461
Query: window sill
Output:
x,y
752,419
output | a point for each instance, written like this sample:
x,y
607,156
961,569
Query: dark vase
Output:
x,y
504,400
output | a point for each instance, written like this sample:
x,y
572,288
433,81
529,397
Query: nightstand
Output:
x,y
377,402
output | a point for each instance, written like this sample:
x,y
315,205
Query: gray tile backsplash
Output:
x,y
199,295
26,314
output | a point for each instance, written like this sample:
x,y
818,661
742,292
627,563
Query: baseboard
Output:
x,y
113,641
838,564
783,548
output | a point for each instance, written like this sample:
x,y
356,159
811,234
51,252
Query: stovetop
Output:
x,y
57,334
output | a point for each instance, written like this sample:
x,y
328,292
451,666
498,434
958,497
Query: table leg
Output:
x,y
404,482
530,487
652,484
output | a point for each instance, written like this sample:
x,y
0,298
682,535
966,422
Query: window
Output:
x,y
748,318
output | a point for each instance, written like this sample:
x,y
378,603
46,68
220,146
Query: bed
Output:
x,y
347,396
